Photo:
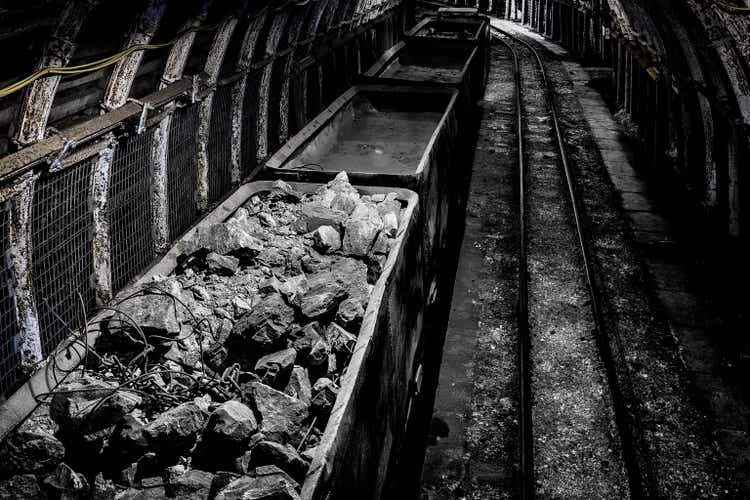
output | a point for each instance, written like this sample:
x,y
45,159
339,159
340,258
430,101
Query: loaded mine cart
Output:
x,y
286,322
385,135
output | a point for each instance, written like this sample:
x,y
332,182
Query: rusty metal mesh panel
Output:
x,y
249,121
182,170
220,144
130,208
62,262
9,356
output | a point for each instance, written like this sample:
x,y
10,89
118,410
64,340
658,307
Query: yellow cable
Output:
x,y
731,7
92,66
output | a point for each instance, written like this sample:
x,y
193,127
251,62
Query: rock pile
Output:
x,y
218,380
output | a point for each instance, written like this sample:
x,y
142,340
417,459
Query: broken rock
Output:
x,y
262,328
350,314
323,295
282,416
88,404
299,385
276,365
231,425
30,452
263,483
325,392
22,486
192,485
224,265
282,456
67,483
223,239
175,431
361,229
326,239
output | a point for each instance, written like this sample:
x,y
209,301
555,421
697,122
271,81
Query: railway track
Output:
x,y
541,146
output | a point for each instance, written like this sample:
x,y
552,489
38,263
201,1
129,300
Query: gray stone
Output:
x,y
382,244
314,216
200,293
241,306
87,405
304,338
282,416
154,314
361,229
267,219
224,238
23,486
30,452
128,442
282,190
175,431
323,295
350,314
67,483
262,483
192,485
389,206
276,365
230,427
319,352
270,285
325,392
262,329
351,275
150,493
224,265
282,456
346,202
390,224
342,342
103,489
299,385
294,287
326,239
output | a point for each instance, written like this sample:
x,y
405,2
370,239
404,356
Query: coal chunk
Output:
x,y
30,452
282,416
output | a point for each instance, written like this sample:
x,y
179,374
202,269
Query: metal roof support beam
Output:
x,y
247,53
211,69
33,114
118,88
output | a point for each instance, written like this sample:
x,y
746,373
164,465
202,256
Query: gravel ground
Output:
x,y
676,451
577,449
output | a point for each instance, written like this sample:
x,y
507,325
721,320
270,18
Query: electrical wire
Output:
x,y
732,8
99,63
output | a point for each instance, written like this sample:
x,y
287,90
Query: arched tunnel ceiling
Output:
x,y
59,33
69,32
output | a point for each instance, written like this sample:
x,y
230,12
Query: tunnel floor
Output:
x,y
688,415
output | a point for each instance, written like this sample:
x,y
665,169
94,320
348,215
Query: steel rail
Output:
x,y
623,420
525,429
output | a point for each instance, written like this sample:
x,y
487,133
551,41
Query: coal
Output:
x,y
224,265
191,485
323,296
30,452
23,486
350,314
67,483
263,483
175,431
282,456
230,427
282,416
261,331
299,385
276,366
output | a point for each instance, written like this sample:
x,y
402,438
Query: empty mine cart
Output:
x,y
386,135
459,26
433,63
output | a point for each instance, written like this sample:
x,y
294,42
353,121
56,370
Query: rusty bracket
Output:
x,y
68,145
145,108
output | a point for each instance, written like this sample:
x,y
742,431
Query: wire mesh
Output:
x,y
129,207
249,121
62,262
220,144
9,356
182,170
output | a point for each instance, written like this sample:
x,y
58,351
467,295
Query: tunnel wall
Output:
x,y
681,73
87,207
